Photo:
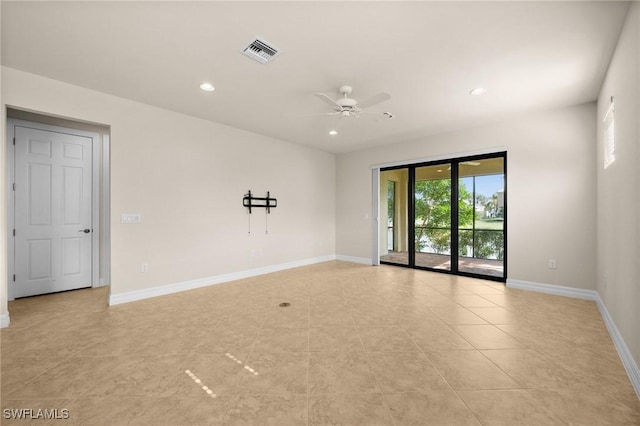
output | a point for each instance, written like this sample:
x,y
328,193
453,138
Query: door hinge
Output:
x,y
14,232
14,186
14,277
14,140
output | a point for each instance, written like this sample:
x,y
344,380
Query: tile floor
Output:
x,y
359,345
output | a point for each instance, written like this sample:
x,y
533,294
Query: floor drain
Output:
x,y
284,304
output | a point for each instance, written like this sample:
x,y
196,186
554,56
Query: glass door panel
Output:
x,y
432,216
394,212
481,212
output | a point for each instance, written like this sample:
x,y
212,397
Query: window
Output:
x,y
609,136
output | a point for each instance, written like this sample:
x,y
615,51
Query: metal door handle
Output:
x,y
86,231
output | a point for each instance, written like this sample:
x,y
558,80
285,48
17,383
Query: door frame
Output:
x,y
95,196
458,157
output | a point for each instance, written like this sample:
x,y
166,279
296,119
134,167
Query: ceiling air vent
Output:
x,y
260,50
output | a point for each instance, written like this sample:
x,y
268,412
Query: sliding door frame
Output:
x,y
455,182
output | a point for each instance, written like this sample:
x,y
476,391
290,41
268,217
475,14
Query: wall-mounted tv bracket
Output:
x,y
267,203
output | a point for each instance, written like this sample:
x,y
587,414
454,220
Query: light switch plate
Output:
x,y
132,218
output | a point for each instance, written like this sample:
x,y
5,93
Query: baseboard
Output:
x,y
353,259
557,290
629,363
4,320
633,371
132,296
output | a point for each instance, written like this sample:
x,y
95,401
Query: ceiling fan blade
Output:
x,y
375,99
328,100
385,114
318,115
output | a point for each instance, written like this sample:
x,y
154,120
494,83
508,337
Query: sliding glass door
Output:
x,y
481,220
432,216
446,216
394,245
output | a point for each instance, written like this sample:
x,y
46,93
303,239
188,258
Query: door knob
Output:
x,y
86,231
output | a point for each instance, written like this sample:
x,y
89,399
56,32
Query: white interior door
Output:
x,y
53,211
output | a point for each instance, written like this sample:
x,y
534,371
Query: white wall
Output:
x,y
618,275
187,177
550,184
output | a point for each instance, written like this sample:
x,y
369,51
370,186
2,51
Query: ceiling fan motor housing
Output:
x,y
347,102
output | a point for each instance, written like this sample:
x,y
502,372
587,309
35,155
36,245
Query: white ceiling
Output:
x,y
427,55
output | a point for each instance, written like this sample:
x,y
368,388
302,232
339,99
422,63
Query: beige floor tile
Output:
x,y
418,312
330,316
232,338
380,317
386,339
501,300
486,337
405,372
293,319
279,340
78,377
108,411
30,341
530,368
585,334
489,289
434,407
437,301
457,316
358,409
581,405
275,410
473,301
18,371
137,375
496,315
284,373
592,369
436,337
327,339
218,372
73,378
340,372
508,407
470,369
531,336
117,341
228,354
169,340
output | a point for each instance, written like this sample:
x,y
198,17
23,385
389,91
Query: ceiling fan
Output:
x,y
345,106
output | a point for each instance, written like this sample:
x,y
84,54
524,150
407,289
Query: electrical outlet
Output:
x,y
552,264
144,267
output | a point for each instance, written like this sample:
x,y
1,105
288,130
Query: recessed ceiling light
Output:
x,y
207,87
478,91
333,132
